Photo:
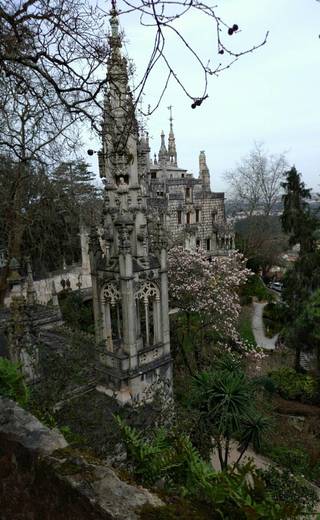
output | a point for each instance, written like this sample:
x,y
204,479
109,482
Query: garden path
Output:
x,y
258,328
259,461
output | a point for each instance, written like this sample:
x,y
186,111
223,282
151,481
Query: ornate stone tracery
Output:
x,y
149,290
130,286
111,294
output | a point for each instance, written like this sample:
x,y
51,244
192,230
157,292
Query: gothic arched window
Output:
x,y
149,313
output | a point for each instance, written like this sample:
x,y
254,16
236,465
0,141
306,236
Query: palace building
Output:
x,y
193,214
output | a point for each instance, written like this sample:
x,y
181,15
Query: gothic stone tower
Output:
x,y
129,260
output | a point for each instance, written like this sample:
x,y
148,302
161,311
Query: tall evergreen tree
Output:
x,y
52,209
296,219
304,278
76,185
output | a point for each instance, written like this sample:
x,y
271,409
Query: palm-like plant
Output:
x,y
226,400
253,427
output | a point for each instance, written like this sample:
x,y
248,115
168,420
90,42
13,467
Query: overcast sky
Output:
x,y
271,95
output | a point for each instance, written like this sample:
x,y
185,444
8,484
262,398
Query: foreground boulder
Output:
x,y
41,477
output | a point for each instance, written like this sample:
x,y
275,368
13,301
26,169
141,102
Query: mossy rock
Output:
x,y
178,509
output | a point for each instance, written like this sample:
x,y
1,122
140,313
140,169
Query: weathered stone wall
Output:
x,y
75,274
207,203
43,288
42,478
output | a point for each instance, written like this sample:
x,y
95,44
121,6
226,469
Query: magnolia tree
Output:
x,y
206,294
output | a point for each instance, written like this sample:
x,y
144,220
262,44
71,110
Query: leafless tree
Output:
x,y
261,240
33,128
57,43
63,44
256,181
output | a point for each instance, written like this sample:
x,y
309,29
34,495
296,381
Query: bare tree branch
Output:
x,y
62,43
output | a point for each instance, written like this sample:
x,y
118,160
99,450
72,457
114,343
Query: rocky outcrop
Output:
x,y
41,477
19,426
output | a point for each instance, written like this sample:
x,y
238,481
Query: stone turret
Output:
x,y
129,270
204,173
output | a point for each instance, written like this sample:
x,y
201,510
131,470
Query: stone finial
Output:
x,y
54,295
31,292
14,275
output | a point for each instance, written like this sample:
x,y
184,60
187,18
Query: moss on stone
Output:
x,y
74,461
85,453
178,509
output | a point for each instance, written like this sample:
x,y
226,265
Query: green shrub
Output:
x,y
228,361
70,436
293,491
77,314
12,382
275,311
245,299
294,459
266,383
273,318
292,385
315,472
233,493
254,287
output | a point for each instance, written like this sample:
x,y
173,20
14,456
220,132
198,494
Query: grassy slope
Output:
x,y
245,325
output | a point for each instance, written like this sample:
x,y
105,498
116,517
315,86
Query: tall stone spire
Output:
x,y
172,151
163,152
118,157
128,266
204,173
